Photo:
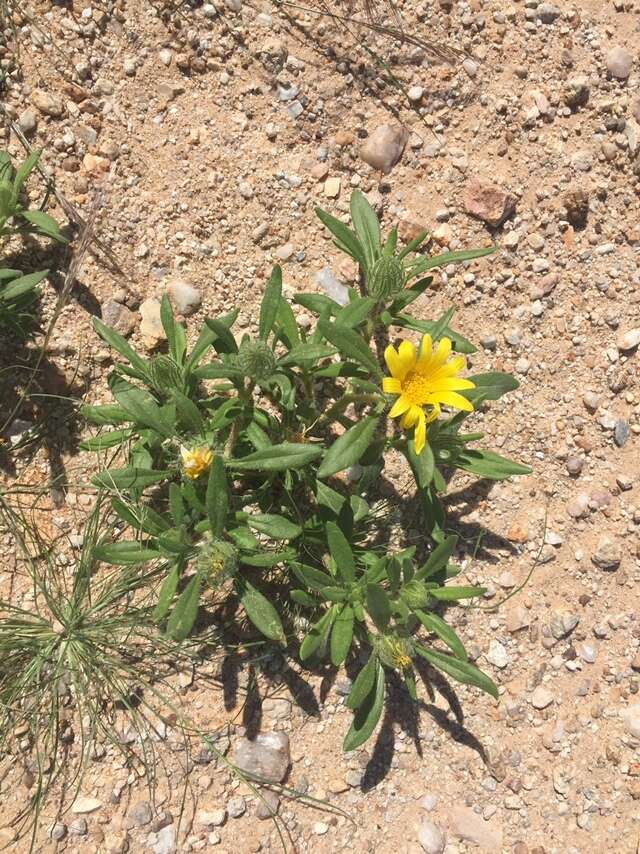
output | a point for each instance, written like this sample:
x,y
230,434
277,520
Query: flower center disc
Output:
x,y
416,388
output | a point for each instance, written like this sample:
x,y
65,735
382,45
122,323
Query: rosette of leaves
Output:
x,y
19,291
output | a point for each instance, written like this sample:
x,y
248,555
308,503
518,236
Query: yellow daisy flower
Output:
x,y
425,379
196,461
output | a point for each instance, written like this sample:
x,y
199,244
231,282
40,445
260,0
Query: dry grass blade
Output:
x,y
442,52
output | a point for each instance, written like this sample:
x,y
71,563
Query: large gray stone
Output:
x,y
266,756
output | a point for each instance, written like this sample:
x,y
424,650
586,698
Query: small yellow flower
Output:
x,y
425,379
196,461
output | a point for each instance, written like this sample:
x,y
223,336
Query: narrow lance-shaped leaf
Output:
x,y
184,614
341,553
341,635
363,683
350,344
270,303
378,606
288,455
368,715
217,497
367,227
348,448
262,613
463,671
167,592
344,235
488,464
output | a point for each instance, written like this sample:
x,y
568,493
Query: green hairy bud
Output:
x,y
387,278
256,360
165,375
217,561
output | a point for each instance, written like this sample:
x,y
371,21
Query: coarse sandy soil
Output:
x,y
200,140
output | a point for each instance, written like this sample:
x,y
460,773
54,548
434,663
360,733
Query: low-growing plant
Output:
x,y
253,466
19,291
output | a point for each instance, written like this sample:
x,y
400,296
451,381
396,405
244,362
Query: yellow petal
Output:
x,y
401,405
408,357
426,347
442,353
451,398
411,416
393,362
450,384
391,385
420,435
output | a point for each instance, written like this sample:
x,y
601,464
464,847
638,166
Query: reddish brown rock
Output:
x,y
488,202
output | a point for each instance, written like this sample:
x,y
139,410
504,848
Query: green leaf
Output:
x,y
356,312
124,553
453,257
316,303
141,517
463,671
442,324
378,606
301,597
345,236
184,614
363,684
187,412
413,245
367,227
312,577
368,714
141,406
341,553
217,497
273,525
174,331
490,386
460,343
487,464
115,340
350,344
434,623
307,352
270,303
389,248
318,635
24,170
262,613
22,285
106,440
128,478
167,592
266,559
341,636
348,448
452,594
288,455
224,341
44,224
438,559
422,464
286,324
108,413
